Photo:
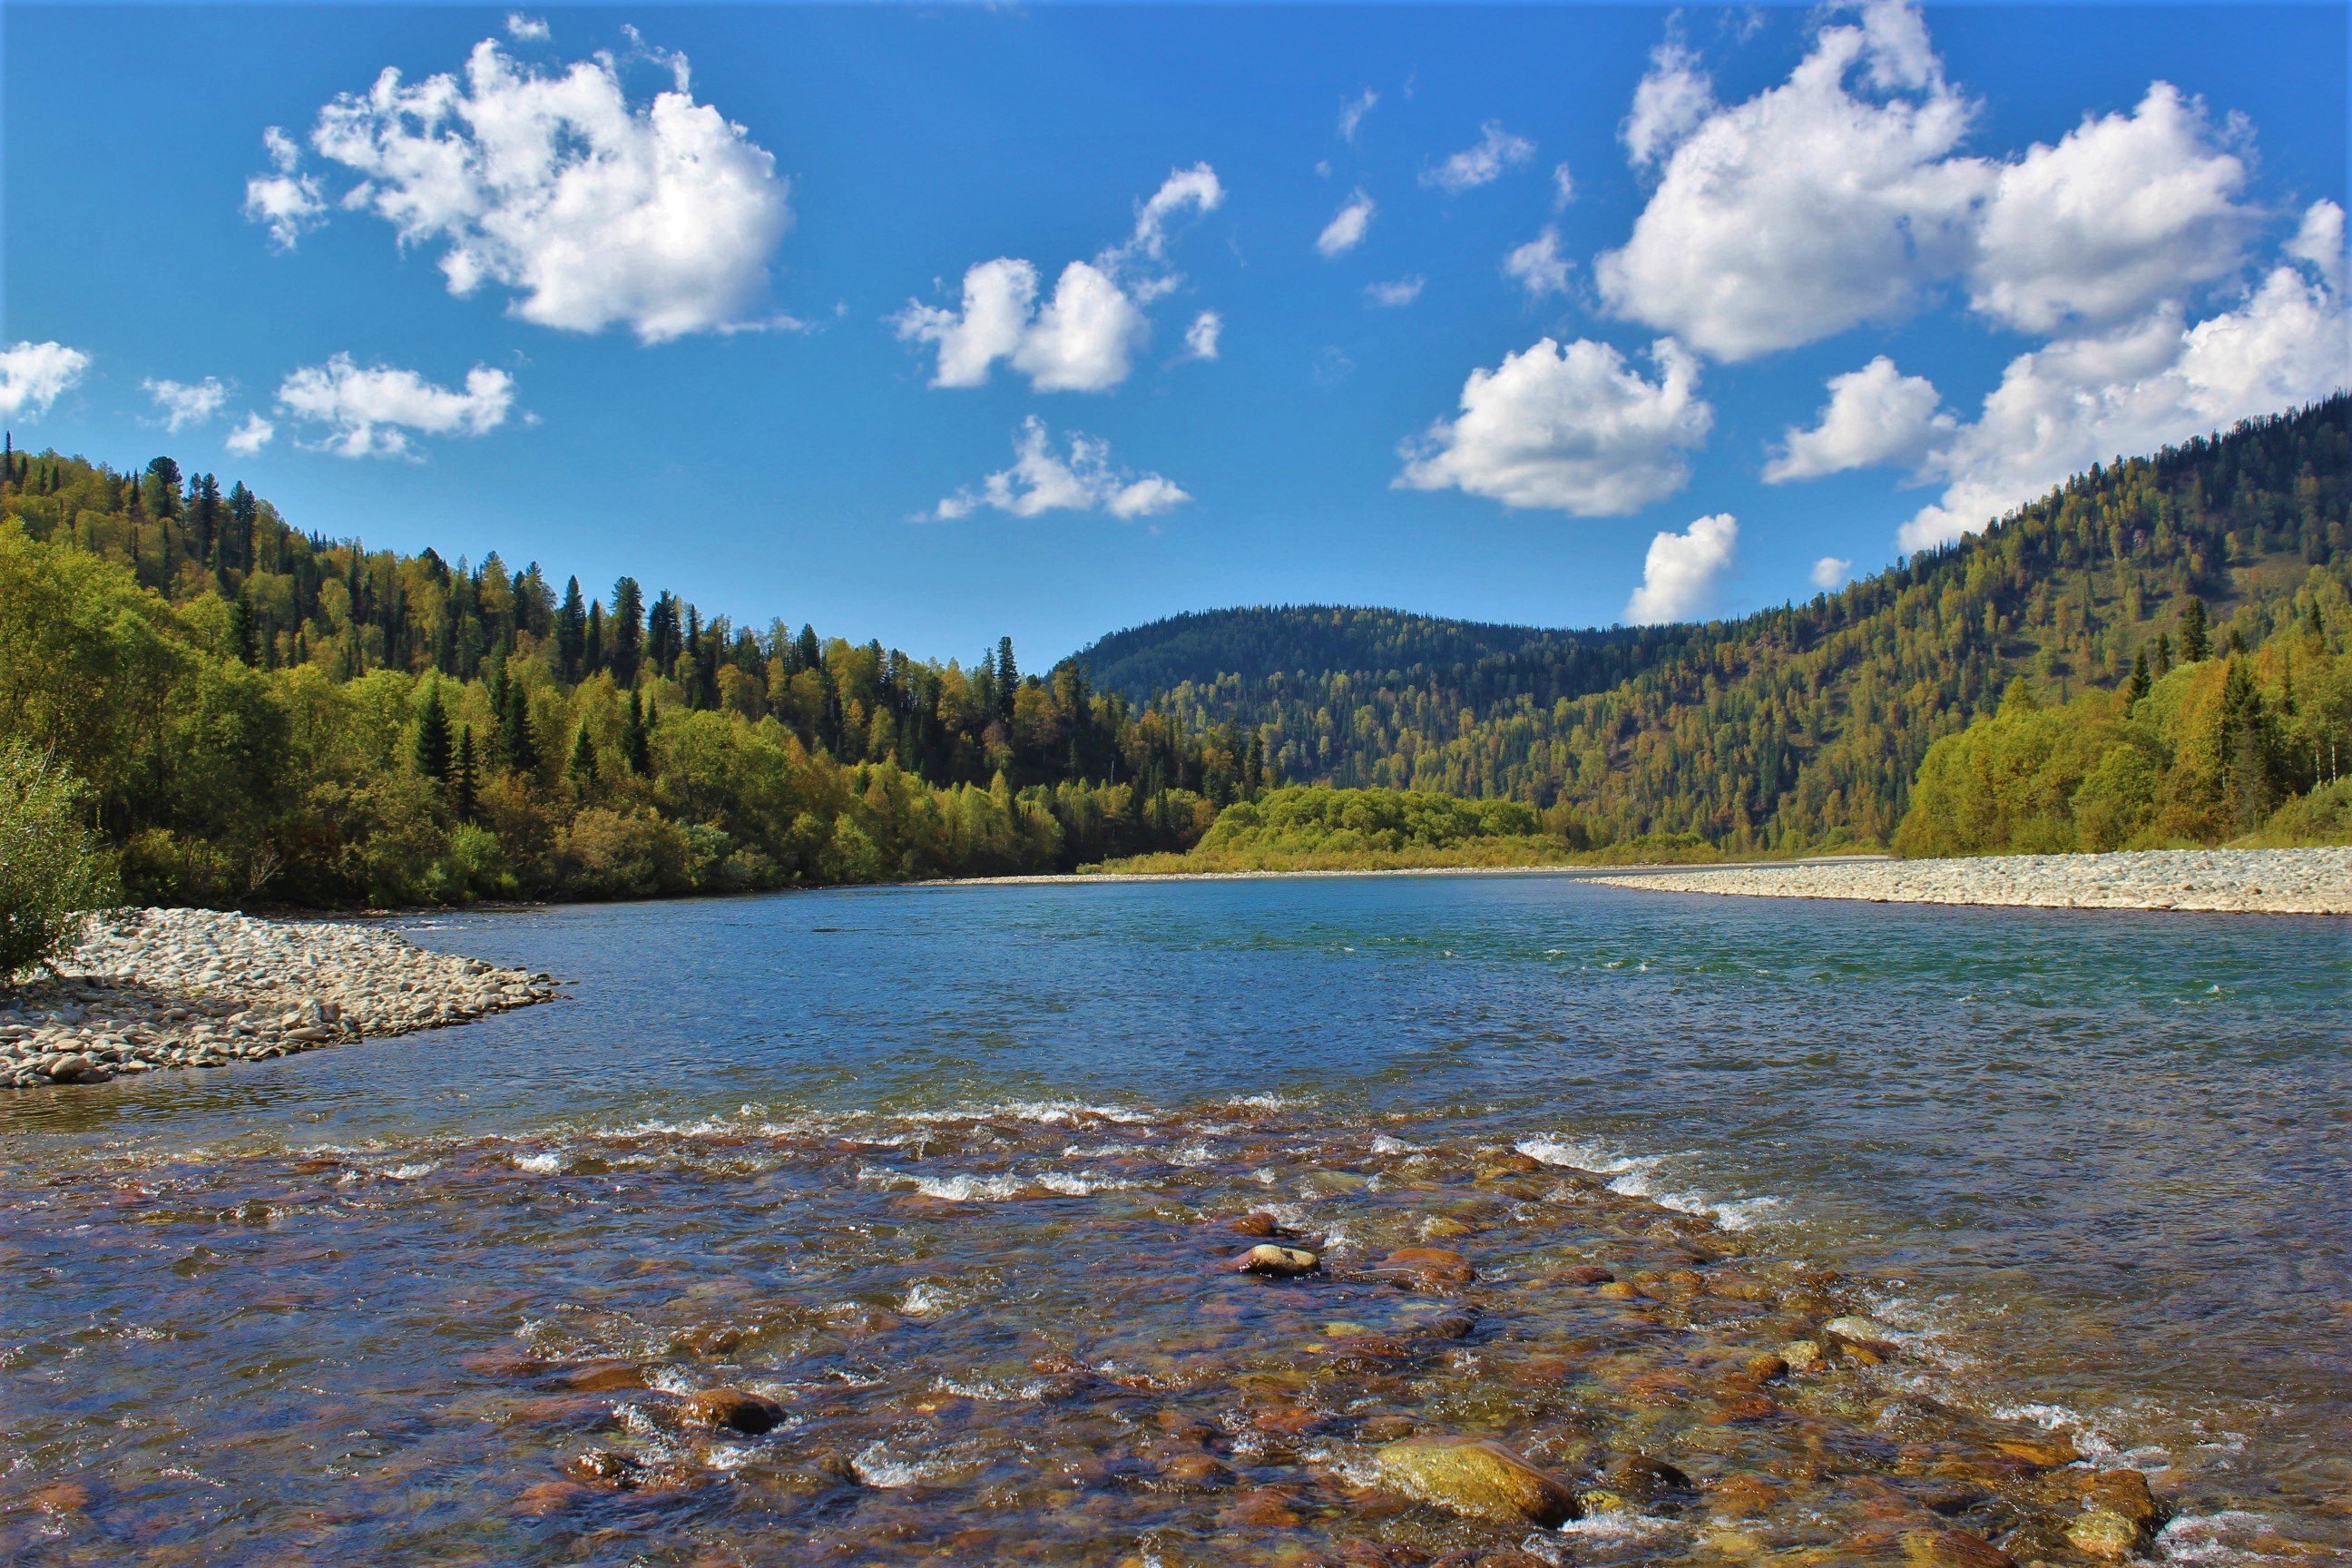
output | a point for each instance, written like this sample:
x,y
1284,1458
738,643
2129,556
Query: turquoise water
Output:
x,y
2101,1163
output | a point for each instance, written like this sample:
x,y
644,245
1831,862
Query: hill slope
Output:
x,y
1797,726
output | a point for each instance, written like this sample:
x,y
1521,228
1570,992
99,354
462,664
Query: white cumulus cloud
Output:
x,y
1346,229
1483,164
1572,429
2135,388
1084,336
527,29
1831,573
1683,572
1875,415
1077,478
1806,210
250,436
660,217
1538,266
2124,210
1399,291
183,404
371,411
34,375
1563,185
2319,242
1352,113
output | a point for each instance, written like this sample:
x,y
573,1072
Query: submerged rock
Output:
x,y
1281,1262
1476,1477
1865,1333
732,1408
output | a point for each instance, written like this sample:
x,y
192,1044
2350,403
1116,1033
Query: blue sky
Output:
x,y
869,317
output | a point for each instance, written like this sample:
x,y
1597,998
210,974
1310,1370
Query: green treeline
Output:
x,y
1802,727
266,715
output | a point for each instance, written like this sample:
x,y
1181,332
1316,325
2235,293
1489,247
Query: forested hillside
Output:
x,y
268,715
1800,726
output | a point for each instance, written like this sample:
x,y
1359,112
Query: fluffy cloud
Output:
x,y
1079,478
1483,164
1804,211
370,412
1538,266
1402,292
1346,229
1201,338
595,211
2124,210
527,29
250,436
34,375
1876,415
285,201
2132,389
1831,572
1682,570
1671,99
1840,197
1084,336
183,404
2319,242
1572,429
1352,113
1563,185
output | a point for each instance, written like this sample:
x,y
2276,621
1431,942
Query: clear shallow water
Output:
x,y
2100,1159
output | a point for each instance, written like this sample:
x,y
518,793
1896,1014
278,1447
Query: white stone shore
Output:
x,y
193,988
2254,881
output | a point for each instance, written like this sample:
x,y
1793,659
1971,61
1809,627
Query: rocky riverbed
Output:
x,y
150,989
2263,881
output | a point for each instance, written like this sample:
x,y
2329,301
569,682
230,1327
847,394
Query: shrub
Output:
x,y
53,871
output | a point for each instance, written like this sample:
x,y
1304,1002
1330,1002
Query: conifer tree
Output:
x,y
571,630
636,747
582,765
2194,645
806,651
465,775
1008,678
2163,655
432,735
592,645
2138,686
628,629
514,731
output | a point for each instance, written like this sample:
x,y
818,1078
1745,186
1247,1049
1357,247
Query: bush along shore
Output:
x,y
2242,881
152,988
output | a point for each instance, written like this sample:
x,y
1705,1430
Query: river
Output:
x,y
920,1163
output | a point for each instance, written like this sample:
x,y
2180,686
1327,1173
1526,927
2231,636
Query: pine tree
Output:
x,y
432,735
2194,645
806,652
628,623
1008,678
571,630
2138,686
2163,655
636,743
592,645
463,775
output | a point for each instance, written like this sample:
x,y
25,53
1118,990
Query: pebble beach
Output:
x,y
2242,881
150,989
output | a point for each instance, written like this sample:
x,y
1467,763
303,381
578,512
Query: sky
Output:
x,y
939,324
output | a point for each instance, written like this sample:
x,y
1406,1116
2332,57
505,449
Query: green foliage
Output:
x,y
262,715
1302,820
2257,745
53,869
1801,727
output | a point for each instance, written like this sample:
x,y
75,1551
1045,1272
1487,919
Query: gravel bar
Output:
x,y
150,989
2239,881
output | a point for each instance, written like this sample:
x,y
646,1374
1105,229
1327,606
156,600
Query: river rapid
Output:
x,y
946,1182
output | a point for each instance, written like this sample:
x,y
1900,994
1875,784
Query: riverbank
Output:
x,y
151,989
2238,881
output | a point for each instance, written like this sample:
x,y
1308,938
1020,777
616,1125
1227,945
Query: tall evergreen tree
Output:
x,y
807,652
2194,643
2136,688
582,765
592,645
465,775
636,744
514,732
1008,678
571,630
628,632
432,735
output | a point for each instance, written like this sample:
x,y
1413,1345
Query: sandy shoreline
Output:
x,y
2235,881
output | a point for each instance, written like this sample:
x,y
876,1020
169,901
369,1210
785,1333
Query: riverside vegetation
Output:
x,y
2160,654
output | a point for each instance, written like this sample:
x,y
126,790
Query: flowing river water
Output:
x,y
948,1179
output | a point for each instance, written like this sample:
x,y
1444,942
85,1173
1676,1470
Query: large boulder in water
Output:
x,y
1478,1477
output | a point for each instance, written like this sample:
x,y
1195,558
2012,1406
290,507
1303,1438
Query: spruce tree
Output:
x,y
592,645
2194,645
628,623
463,775
433,736
636,742
514,731
1008,678
582,765
571,630
2137,687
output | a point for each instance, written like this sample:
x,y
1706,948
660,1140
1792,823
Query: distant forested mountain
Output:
x,y
1803,725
